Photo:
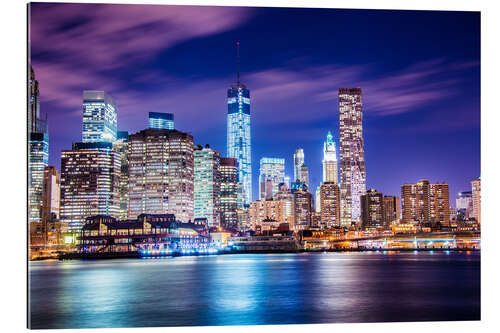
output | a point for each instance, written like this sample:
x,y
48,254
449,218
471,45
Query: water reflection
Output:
x,y
256,289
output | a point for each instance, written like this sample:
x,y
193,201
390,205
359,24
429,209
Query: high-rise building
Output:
x,y
229,193
304,175
99,117
464,204
161,174
302,204
352,155
161,120
330,204
121,147
90,182
38,150
425,203
415,202
33,102
391,210
238,133
51,194
272,173
317,199
476,199
287,181
372,209
269,209
330,169
285,197
298,161
38,159
207,183
439,203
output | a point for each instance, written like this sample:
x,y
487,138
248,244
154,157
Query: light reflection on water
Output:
x,y
256,289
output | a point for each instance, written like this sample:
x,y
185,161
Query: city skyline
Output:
x,y
393,116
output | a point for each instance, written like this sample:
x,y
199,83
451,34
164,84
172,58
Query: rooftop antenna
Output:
x,y
238,60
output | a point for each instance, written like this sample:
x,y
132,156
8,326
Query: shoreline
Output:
x,y
137,255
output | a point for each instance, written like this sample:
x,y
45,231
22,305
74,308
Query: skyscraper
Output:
x,y
298,161
304,175
272,173
372,209
121,147
51,194
99,117
330,169
330,204
207,185
476,199
464,204
229,193
238,132
302,204
391,210
161,120
161,174
90,182
352,156
439,203
38,150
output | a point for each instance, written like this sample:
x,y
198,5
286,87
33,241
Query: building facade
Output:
x,y
352,155
229,193
161,120
476,200
330,167
51,198
99,117
239,144
302,205
372,209
271,174
391,210
298,161
464,204
330,205
439,202
120,146
207,185
161,174
90,183
38,159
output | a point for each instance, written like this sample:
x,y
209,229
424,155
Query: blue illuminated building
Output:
x,y
99,117
238,133
161,120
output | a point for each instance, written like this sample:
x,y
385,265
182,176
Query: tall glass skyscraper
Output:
x,y
272,173
99,117
330,170
298,161
238,133
352,155
207,184
161,120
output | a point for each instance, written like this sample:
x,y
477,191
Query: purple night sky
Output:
x,y
419,72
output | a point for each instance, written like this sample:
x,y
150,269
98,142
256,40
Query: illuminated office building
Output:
x,y
302,203
372,209
298,161
51,197
317,200
121,147
161,120
90,182
352,155
464,204
272,173
285,197
207,184
330,205
330,169
99,117
228,193
38,159
476,200
161,174
238,133
304,175
33,102
392,210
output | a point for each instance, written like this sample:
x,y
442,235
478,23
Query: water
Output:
x,y
253,289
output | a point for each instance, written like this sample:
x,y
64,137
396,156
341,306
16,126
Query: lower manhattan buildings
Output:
x,y
161,173
207,183
272,173
228,193
476,200
330,204
90,182
352,155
